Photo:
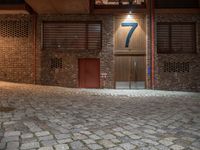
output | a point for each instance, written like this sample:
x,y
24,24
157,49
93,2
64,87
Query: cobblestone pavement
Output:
x,y
56,118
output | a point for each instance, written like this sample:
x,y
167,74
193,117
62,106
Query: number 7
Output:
x,y
134,26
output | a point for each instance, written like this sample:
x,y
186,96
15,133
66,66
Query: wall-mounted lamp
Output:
x,y
130,15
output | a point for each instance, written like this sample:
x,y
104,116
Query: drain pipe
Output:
x,y
152,9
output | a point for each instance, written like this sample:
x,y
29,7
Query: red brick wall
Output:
x,y
16,54
68,75
187,81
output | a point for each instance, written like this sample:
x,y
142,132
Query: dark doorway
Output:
x,y
89,73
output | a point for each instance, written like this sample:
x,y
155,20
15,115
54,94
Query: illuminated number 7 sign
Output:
x,y
134,26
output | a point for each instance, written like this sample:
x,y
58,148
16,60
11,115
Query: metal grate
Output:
x,y
10,28
179,67
56,63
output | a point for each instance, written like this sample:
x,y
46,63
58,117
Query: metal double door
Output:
x,y
130,72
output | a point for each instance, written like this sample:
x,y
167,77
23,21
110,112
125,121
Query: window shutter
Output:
x,y
163,41
176,38
94,36
183,38
71,36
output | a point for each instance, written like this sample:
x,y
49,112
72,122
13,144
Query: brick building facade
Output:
x,y
179,80
70,58
20,62
16,48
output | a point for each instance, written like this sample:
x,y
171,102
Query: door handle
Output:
x,y
135,73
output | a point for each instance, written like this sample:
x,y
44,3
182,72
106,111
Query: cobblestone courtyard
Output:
x,y
56,118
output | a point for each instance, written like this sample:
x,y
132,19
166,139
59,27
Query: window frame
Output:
x,y
170,50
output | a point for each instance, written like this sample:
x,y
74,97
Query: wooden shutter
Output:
x,y
71,36
176,37
94,36
163,42
183,38
64,35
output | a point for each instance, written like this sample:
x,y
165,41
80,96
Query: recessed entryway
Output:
x,y
89,72
130,72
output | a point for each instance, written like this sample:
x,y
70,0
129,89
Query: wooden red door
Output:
x,y
89,73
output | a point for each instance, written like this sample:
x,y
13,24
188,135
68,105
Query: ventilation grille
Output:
x,y
179,67
14,28
56,63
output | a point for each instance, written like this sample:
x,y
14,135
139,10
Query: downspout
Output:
x,y
152,9
34,48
